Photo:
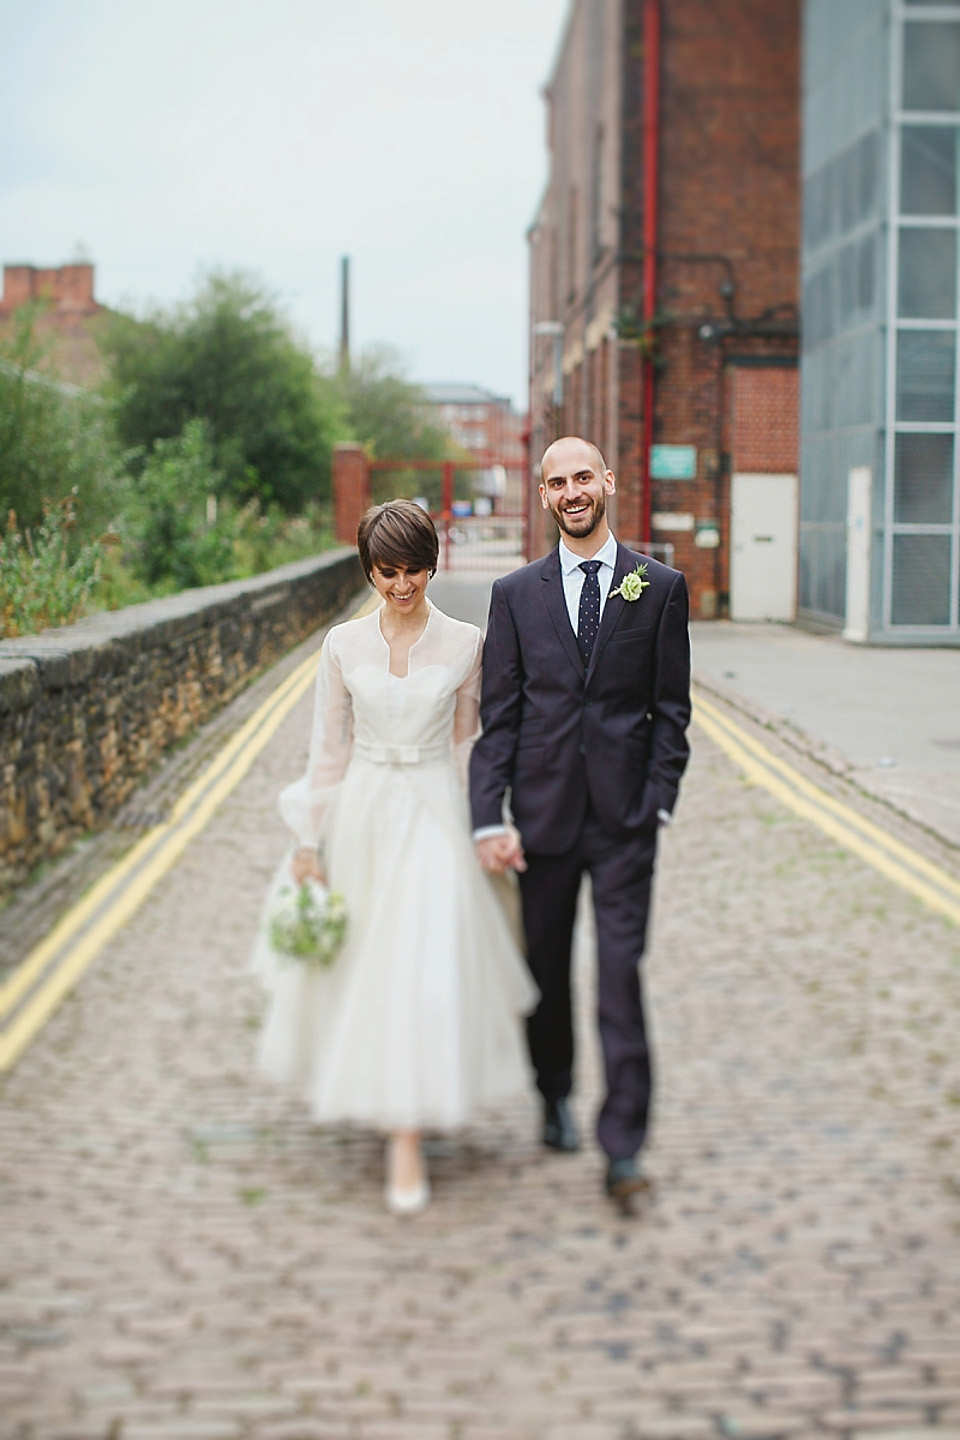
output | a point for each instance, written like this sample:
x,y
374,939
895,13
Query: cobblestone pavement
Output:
x,y
187,1258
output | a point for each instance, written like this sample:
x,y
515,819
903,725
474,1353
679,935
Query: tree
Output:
x,y
388,416
55,440
229,359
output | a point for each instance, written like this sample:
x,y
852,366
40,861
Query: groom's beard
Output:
x,y
585,523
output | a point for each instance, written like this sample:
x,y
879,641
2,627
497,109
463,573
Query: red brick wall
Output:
x,y
67,320
765,421
728,254
729,216
67,289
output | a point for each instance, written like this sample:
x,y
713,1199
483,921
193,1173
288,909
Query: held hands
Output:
x,y
306,865
498,853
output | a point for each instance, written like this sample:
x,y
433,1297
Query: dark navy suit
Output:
x,y
585,759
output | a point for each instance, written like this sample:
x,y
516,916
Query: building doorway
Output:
x,y
763,535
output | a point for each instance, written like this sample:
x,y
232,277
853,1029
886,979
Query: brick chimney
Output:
x,y
67,290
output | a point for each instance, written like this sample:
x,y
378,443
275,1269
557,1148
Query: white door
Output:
x,y
858,554
763,535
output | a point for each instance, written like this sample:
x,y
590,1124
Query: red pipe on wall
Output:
x,y
651,188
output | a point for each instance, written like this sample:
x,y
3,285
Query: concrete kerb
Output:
x,y
844,710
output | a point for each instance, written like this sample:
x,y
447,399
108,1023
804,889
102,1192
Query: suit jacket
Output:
x,y
556,736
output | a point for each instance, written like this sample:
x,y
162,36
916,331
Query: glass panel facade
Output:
x,y
927,274
928,170
921,580
844,165
880,374
931,66
926,375
923,480
922,490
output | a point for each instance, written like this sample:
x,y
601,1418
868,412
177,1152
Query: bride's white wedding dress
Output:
x,y
419,1020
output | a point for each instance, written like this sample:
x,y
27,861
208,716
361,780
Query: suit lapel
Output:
x,y
553,597
615,604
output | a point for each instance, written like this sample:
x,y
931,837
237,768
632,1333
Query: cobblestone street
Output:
x,y
187,1258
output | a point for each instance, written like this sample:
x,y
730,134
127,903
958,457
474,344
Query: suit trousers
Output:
x,y
621,874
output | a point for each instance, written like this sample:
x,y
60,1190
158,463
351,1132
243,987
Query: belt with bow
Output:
x,y
399,754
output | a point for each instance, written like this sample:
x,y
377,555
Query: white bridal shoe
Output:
x,y
405,1200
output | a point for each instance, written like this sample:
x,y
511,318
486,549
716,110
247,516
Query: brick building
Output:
x,y
488,426
66,308
664,264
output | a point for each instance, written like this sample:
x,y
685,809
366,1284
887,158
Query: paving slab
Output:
x,y
886,716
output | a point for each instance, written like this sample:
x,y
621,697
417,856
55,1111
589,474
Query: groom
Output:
x,y
585,705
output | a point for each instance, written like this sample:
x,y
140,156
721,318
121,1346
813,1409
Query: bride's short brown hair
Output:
x,y
397,533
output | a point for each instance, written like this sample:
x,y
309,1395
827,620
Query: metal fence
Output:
x,y
477,543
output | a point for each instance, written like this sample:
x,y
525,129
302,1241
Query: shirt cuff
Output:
x,y
664,817
487,832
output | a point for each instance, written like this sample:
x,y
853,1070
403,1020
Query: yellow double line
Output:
x,y
32,992
898,862
29,996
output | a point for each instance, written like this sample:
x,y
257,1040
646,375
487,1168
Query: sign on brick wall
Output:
x,y
673,462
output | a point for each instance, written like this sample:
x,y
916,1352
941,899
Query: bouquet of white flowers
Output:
x,y
308,923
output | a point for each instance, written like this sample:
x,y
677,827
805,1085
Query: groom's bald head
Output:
x,y
596,458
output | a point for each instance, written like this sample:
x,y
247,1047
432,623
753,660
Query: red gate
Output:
x,y
482,532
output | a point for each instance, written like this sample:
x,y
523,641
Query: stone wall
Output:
x,y
87,709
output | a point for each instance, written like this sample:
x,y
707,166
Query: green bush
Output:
x,y
171,543
41,584
265,539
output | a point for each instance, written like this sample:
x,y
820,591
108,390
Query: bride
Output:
x,y
418,1021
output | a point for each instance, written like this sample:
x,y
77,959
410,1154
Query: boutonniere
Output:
x,y
632,586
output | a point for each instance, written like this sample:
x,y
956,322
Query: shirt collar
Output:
x,y
607,555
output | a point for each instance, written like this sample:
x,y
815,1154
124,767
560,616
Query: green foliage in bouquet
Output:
x,y
308,924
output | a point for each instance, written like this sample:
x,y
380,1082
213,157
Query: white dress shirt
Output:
x,y
573,576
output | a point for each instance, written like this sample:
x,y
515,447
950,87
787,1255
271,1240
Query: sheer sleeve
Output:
x,y
466,715
304,804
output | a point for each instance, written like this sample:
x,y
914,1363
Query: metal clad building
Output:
x,y
879,547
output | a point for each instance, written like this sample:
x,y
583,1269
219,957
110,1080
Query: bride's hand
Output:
x,y
306,866
498,853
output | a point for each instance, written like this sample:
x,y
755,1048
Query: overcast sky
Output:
x,y
166,137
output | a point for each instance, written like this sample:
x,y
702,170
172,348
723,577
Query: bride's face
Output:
x,y
402,587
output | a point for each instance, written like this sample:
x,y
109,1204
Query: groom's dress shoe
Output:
x,y
559,1127
624,1180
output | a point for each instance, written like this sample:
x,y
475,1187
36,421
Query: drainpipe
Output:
x,y
651,163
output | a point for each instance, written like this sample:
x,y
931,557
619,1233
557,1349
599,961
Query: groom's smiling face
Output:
x,y
575,486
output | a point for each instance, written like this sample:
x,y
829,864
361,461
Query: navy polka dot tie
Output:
x,y
588,621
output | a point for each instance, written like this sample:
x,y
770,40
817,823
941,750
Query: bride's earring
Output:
x,y
407,1190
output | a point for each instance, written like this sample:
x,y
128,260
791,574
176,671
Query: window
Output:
x,y
597,206
921,580
928,170
926,375
928,274
931,66
923,484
